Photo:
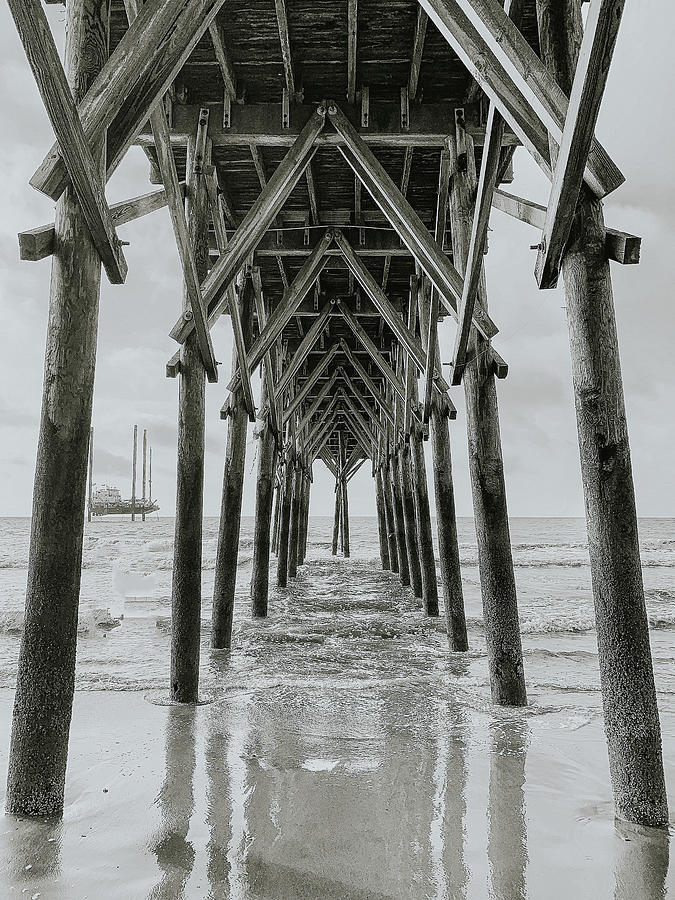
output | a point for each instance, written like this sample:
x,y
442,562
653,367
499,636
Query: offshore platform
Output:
x,y
108,501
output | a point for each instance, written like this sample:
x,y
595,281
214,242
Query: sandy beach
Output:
x,y
344,752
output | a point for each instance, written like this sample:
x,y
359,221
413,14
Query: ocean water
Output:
x,y
341,619
342,752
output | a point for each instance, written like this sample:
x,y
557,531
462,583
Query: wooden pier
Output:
x,y
330,171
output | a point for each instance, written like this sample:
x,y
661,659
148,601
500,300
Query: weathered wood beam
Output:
x,y
538,86
620,246
224,61
374,353
380,399
285,43
474,265
312,194
590,78
316,403
167,167
391,316
291,300
405,221
316,373
258,218
135,77
43,57
352,39
417,53
260,124
405,181
303,350
268,366
38,243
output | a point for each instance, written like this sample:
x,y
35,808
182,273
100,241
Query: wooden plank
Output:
x,y
430,326
481,218
405,181
38,243
38,42
590,78
197,314
352,39
137,74
268,367
285,42
538,86
406,222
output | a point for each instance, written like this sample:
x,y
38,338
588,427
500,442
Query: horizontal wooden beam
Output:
x,y
620,246
259,124
38,243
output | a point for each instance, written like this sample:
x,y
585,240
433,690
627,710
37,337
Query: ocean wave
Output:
x,y
12,622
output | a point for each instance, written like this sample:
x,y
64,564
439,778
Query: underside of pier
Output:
x,y
330,169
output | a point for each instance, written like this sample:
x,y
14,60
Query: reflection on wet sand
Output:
x,y
641,864
507,828
175,854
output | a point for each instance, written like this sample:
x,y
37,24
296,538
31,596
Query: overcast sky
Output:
x,y
536,405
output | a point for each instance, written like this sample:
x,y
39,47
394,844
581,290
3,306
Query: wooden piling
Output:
x,y
285,520
260,571
409,520
295,521
46,668
389,517
423,518
498,585
381,519
344,509
277,514
446,529
336,517
227,552
186,590
626,672
399,525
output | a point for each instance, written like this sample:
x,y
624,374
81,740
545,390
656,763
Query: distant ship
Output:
x,y
107,500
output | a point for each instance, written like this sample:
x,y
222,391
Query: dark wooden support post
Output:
x,y
285,519
423,517
389,517
381,519
294,533
498,585
186,590
399,524
409,520
626,673
336,517
46,670
227,552
145,469
446,526
278,490
305,517
264,497
344,511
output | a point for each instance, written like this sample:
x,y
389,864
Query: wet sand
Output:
x,y
292,791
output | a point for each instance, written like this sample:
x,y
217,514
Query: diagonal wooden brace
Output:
x,y
36,36
405,220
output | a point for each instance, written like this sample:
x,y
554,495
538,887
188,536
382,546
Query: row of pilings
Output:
x,y
46,670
